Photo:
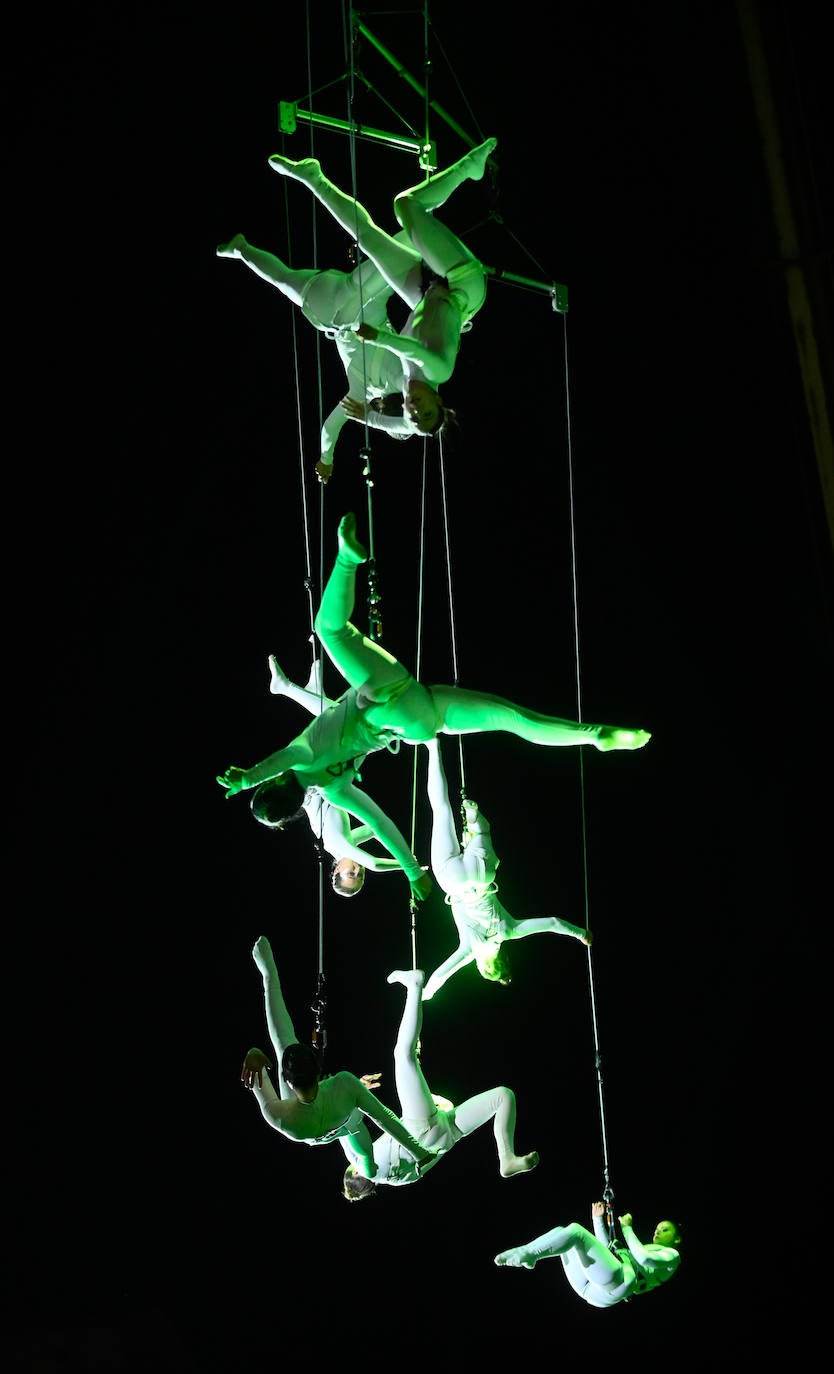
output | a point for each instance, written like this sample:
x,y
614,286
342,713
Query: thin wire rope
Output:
x,y
607,1190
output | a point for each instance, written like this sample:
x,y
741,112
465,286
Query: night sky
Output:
x,y
633,519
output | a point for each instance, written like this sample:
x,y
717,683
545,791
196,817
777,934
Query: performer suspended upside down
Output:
x,y
427,265
599,1275
341,840
433,1120
310,1108
386,705
465,871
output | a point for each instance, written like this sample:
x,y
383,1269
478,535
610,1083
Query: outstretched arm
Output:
x,y
390,1124
462,956
437,367
348,797
359,1150
295,755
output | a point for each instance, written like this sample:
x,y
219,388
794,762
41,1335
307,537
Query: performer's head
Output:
x,y
278,802
301,1068
493,963
667,1233
425,408
355,1186
347,877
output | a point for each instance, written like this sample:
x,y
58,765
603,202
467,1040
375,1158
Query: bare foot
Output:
x,y
350,545
412,977
232,249
519,1164
516,1259
613,737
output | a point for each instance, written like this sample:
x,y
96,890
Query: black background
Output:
x,y
635,476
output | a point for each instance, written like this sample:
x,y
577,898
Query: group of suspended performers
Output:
x,y
317,773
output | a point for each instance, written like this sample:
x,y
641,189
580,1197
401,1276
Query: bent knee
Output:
x,y
403,208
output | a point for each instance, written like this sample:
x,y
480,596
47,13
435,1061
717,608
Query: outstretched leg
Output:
x,y
416,1101
265,265
447,860
463,712
498,1105
398,262
357,658
511,929
281,1029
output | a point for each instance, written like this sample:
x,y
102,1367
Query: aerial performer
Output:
x,y
464,869
433,1120
341,840
601,1275
425,264
385,706
308,1107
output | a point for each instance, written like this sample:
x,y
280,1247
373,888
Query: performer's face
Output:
x,y
351,875
422,406
665,1233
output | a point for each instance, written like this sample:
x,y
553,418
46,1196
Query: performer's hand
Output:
x,y
598,1209
367,332
371,1081
324,471
234,780
357,410
625,1219
253,1067
422,886
587,938
428,1158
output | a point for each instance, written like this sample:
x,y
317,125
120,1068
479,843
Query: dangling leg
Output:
x,y
280,1026
398,262
357,658
447,861
416,1102
498,1104
463,712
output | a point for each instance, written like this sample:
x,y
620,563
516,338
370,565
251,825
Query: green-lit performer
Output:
x,y
427,266
465,871
436,1123
311,1108
386,705
345,843
601,1275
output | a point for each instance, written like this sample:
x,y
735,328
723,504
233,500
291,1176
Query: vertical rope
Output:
x,y
608,1193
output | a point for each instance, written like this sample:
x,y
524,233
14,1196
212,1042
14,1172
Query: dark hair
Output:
x,y
300,1066
355,1187
278,803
